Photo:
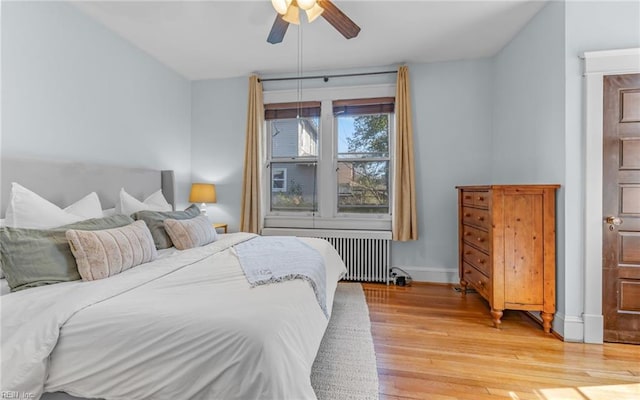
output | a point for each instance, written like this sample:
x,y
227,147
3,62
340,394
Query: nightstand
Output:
x,y
222,226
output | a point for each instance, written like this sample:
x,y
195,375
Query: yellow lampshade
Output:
x,y
202,193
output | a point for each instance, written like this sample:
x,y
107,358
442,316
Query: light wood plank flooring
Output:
x,y
432,343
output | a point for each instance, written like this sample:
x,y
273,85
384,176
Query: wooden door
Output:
x,y
621,208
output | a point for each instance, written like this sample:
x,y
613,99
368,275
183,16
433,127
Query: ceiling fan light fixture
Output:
x,y
293,15
314,12
281,6
306,4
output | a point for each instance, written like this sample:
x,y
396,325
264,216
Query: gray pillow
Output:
x,y
155,222
37,257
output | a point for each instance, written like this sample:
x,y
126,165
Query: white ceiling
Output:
x,y
220,39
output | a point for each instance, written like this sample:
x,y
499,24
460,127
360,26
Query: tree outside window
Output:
x,y
363,166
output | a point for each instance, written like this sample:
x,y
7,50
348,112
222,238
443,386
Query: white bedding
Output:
x,y
187,326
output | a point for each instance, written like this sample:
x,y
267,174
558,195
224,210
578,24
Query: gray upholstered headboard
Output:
x,y
64,183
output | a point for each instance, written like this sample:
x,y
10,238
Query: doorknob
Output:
x,y
613,222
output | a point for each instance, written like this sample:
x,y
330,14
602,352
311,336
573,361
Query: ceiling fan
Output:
x,y
289,13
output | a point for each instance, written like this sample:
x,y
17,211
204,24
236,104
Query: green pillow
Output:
x,y
37,257
155,222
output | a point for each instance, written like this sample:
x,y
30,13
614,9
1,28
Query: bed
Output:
x,y
187,325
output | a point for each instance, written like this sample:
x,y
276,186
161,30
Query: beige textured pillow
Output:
x,y
101,254
189,233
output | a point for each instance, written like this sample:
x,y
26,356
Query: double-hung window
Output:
x,y
329,162
292,140
363,158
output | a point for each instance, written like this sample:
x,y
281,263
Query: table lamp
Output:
x,y
202,193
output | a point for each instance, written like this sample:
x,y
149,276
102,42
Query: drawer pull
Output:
x,y
480,198
480,218
480,283
467,197
467,215
480,239
467,271
466,253
467,233
481,261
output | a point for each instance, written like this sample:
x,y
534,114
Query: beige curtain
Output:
x,y
405,221
250,208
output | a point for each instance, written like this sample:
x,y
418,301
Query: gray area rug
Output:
x,y
345,367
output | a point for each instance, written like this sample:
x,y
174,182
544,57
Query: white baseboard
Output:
x,y
431,274
593,328
570,327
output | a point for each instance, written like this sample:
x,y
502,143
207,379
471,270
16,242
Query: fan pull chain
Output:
x,y
299,88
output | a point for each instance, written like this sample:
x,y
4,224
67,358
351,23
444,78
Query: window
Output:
x,y
329,162
363,155
293,155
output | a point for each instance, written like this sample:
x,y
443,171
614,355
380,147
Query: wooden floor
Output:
x,y
432,343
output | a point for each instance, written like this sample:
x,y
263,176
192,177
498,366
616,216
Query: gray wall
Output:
x,y
528,113
218,125
73,90
452,139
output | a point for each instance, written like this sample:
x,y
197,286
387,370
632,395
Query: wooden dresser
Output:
x,y
507,247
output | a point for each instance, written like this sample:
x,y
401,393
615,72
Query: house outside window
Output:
x,y
329,161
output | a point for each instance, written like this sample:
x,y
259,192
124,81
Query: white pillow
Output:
x,y
155,202
28,210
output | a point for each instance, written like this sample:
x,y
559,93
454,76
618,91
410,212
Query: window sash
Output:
x,y
350,209
302,196
270,140
364,155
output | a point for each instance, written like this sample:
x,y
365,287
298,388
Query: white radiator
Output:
x,y
365,253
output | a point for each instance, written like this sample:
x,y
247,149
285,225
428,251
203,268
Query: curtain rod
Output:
x,y
325,77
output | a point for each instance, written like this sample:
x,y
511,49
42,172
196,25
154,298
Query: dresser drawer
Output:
x,y
476,258
481,199
467,198
478,280
477,217
475,236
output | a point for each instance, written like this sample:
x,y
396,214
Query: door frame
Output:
x,y
597,64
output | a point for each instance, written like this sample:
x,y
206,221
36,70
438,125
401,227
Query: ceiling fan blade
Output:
x,y
278,30
338,19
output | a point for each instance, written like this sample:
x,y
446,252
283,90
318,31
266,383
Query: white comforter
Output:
x,y
183,327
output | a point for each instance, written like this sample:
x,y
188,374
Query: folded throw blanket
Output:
x,y
278,258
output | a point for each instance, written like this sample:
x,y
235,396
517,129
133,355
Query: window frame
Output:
x,y
326,216
270,160
389,158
